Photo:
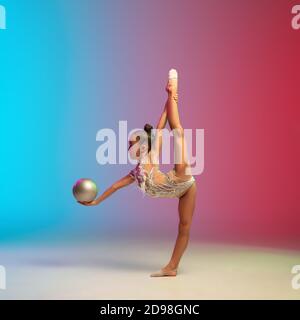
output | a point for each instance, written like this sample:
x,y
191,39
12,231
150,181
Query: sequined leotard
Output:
x,y
158,184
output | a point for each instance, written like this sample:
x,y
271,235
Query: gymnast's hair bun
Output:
x,y
148,128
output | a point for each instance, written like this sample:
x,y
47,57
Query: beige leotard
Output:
x,y
158,184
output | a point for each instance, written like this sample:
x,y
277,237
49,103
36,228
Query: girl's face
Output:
x,y
134,147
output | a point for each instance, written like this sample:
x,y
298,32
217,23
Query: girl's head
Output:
x,y
140,142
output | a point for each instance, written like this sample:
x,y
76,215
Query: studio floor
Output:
x,y
120,270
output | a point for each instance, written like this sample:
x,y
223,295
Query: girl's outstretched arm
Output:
x,y
126,180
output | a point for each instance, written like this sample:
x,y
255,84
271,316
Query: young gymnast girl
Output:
x,y
177,183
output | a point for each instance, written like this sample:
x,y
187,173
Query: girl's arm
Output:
x,y
162,120
164,116
157,145
161,125
114,187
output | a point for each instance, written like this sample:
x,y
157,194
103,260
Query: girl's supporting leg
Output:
x,y
186,209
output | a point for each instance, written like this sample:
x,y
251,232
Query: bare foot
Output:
x,y
164,272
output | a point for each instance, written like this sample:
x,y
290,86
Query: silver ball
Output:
x,y
85,190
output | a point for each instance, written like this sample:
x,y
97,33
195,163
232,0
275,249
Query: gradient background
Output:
x,y
70,68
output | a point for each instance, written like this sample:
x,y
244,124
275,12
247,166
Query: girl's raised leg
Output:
x,y
182,164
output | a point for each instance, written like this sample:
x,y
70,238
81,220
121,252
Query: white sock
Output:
x,y
173,74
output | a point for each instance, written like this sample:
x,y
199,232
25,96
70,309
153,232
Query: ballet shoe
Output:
x,y
173,74
172,84
164,273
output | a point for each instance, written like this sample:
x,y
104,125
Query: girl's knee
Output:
x,y
184,226
184,231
